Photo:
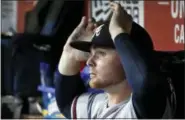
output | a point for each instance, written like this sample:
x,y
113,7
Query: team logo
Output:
x,y
100,9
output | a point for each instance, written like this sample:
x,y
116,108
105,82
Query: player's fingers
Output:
x,y
82,23
114,5
90,25
92,20
95,25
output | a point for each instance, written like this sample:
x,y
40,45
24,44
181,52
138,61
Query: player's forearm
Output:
x,y
68,65
70,84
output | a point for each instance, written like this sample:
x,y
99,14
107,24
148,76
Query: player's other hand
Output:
x,y
120,22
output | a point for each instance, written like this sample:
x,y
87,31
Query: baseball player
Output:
x,y
121,62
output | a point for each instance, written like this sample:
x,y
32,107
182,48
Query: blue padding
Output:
x,y
85,75
46,89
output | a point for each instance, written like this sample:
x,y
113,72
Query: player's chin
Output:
x,y
97,84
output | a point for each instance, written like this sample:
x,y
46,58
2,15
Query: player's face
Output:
x,y
105,68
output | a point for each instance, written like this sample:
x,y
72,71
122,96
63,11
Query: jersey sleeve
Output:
x,y
144,77
66,89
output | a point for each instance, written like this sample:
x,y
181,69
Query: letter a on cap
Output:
x,y
97,31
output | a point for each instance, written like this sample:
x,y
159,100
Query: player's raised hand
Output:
x,y
120,20
83,32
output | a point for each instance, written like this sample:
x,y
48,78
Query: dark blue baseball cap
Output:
x,y
102,38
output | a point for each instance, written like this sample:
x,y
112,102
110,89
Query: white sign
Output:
x,y
177,12
100,9
8,15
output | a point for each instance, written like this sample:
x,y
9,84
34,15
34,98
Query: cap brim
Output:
x,y
86,46
81,45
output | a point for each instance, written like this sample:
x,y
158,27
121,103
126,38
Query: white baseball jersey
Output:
x,y
99,108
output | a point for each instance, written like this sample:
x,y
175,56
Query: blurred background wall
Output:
x,y
163,19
